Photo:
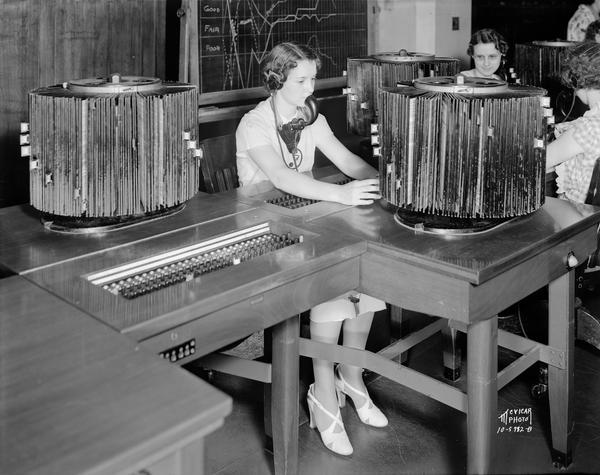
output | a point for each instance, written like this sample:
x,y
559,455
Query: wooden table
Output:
x,y
219,308
76,397
467,280
214,311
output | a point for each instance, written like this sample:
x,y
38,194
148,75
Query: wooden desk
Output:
x,y
466,279
469,279
219,308
76,397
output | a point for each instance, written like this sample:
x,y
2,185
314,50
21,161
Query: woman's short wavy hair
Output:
x,y
488,35
281,59
581,66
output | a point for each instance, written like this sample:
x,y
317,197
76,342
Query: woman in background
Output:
x,y
488,49
276,141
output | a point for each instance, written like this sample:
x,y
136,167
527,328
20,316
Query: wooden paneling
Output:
x,y
45,42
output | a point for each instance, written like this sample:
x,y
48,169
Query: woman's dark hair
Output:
x,y
281,59
592,30
581,66
487,35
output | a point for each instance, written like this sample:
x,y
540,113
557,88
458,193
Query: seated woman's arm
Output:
x,y
288,180
562,149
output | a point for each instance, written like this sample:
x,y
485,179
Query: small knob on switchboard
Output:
x,y
571,260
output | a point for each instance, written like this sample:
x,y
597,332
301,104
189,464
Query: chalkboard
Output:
x,y
235,35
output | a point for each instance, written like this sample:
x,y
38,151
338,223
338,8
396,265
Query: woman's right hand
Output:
x,y
359,192
560,128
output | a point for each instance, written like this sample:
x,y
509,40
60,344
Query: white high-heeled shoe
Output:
x,y
337,442
368,413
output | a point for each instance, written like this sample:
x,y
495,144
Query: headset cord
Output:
x,y
568,114
571,108
294,164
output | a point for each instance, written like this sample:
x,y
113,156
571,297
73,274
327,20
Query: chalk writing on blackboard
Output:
x,y
235,35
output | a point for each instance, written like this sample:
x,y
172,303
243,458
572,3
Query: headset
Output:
x,y
273,80
290,132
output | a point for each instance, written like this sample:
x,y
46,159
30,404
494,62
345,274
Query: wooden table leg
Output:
x,y
284,390
452,354
482,394
561,336
267,421
192,460
398,329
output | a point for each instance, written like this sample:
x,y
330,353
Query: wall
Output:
x,y
420,25
449,42
46,42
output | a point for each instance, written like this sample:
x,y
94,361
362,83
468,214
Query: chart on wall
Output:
x,y
235,35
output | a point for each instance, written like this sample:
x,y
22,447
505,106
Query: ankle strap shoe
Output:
x,y
337,442
368,413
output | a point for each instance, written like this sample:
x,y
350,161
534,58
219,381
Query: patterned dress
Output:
x,y
574,175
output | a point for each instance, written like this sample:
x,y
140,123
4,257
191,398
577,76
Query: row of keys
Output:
x,y
188,269
293,202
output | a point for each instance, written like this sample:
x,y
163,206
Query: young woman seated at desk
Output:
x,y
276,141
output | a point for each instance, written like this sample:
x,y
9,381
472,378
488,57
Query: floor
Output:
x,y
424,436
